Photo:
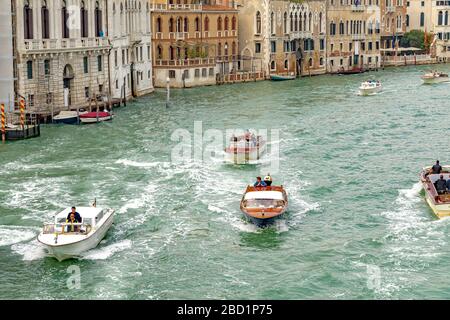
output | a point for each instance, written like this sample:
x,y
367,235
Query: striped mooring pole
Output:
x,y
3,123
22,113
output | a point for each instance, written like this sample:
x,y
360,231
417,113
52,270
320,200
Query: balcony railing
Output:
x,y
55,44
358,8
300,34
358,36
185,62
390,9
165,7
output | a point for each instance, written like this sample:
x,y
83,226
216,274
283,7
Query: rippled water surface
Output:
x,y
357,227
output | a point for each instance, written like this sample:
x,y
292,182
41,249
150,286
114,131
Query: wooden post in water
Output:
x,y
168,92
96,107
22,114
3,123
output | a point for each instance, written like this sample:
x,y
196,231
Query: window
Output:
x,y
99,63
115,58
272,65
84,21
98,20
197,73
85,65
286,64
322,44
47,67
257,47
172,74
123,56
117,84
45,21
211,72
65,18
233,23
206,24
272,23
422,19
258,22
29,69
28,21
86,92
273,46
204,72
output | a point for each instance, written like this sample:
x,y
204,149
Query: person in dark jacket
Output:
x,y
259,183
441,185
436,169
78,218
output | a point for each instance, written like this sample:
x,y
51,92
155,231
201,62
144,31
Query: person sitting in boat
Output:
x,y
253,139
441,185
70,223
247,135
76,214
436,169
268,180
259,183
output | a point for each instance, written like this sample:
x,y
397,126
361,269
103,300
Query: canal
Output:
x,y
357,227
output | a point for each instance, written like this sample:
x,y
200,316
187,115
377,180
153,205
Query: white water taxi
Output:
x,y
94,117
434,77
439,203
64,240
370,87
245,148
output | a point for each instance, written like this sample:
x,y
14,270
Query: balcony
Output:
x,y
182,63
358,8
174,7
358,36
390,9
48,45
300,35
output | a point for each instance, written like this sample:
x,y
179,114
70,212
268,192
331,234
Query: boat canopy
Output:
x,y
275,195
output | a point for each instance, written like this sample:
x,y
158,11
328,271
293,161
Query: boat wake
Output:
x,y
30,251
10,235
103,253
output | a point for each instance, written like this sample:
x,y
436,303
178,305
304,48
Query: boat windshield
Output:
x,y
67,228
263,203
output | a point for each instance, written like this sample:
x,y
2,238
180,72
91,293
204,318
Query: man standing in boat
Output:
x,y
268,180
441,185
259,183
436,169
77,216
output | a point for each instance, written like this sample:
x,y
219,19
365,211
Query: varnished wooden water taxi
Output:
x,y
262,205
243,150
439,203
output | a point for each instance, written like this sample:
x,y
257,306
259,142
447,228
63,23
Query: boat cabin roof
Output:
x,y
253,195
85,212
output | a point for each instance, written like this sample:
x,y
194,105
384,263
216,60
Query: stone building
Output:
x,y
194,42
61,52
431,16
393,22
354,33
6,59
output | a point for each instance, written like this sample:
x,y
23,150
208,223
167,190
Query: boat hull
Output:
x,y
253,154
369,91
281,78
74,250
71,120
435,80
439,210
94,120
262,222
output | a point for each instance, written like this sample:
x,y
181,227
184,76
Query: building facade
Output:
x,y
393,22
129,26
194,43
354,33
431,16
6,59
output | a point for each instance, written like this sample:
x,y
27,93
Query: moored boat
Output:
x,y
370,87
354,70
245,148
93,117
434,77
439,203
64,240
278,77
68,117
262,205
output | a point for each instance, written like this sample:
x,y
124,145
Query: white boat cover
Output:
x,y
275,195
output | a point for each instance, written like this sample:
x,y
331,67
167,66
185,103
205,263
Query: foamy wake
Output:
x,y
107,251
132,163
10,235
29,251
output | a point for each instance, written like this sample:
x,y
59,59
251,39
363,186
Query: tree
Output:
x,y
416,39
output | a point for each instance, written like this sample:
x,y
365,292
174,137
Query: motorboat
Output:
x,y
245,148
262,205
434,77
439,203
370,87
68,117
64,240
94,117
354,70
279,77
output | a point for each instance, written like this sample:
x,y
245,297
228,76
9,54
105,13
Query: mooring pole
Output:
x,y
3,123
22,114
168,92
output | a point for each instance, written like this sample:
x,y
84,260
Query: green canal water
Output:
x,y
357,226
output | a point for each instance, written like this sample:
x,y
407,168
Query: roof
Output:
x,y
85,212
275,195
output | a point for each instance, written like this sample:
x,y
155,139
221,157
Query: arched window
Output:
x,y
422,19
233,48
159,52
206,24
272,23
179,24
272,65
292,22
171,25
219,49
84,21
197,24
296,22
158,26
285,23
45,20
172,53
227,22
226,49
258,22
219,23
186,24
310,62
309,21
233,23
446,18
64,19
440,18
320,23
286,64
98,20
304,21
300,23
407,20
